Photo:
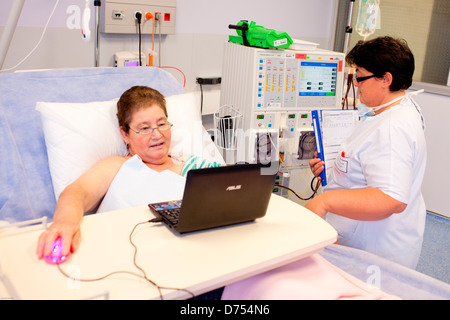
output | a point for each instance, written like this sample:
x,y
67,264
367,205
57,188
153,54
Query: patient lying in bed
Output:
x,y
146,174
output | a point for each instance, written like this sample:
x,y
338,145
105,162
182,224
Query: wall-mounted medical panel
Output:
x,y
120,16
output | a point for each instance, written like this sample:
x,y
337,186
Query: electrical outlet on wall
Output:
x,y
119,16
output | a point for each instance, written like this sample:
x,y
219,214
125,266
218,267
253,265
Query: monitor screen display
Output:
x,y
318,78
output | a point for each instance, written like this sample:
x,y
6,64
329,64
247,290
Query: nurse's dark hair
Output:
x,y
385,54
135,98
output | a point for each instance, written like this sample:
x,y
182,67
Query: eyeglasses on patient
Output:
x,y
148,130
360,79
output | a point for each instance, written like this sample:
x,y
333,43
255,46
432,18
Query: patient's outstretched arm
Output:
x,y
81,196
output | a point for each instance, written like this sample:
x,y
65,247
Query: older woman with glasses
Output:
x,y
373,197
148,173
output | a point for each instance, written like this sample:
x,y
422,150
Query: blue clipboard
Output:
x,y
317,124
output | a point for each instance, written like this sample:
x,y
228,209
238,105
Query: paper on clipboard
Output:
x,y
331,128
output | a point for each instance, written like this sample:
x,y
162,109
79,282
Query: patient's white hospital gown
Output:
x,y
136,184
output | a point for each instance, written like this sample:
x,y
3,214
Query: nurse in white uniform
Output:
x,y
373,197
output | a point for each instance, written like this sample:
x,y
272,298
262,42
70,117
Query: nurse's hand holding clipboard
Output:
x,y
316,165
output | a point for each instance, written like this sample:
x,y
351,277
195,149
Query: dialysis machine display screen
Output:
x,y
318,79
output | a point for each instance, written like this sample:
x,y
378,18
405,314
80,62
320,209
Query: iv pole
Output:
x,y
348,29
10,27
97,4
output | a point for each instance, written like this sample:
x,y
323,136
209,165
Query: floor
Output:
x,y
435,258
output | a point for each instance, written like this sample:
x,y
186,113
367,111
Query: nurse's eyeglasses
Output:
x,y
360,79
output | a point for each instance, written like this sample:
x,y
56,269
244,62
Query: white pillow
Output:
x,y
189,137
77,135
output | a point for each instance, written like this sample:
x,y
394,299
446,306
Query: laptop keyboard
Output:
x,y
170,215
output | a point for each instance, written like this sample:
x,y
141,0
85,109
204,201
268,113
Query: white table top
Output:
x,y
199,261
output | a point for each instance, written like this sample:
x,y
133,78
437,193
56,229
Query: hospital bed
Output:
x,y
54,124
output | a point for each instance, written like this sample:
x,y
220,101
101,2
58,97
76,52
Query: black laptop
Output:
x,y
219,196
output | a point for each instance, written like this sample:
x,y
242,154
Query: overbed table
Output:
x,y
198,262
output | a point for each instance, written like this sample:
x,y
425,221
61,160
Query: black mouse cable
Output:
x,y
144,276
155,220
315,189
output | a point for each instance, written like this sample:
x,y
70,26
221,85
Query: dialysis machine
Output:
x,y
266,100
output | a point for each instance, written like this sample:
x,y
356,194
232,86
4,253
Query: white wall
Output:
x,y
196,49
435,187
201,29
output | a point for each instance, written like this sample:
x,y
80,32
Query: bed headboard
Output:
x,y
26,190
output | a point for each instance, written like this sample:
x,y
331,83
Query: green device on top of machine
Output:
x,y
252,35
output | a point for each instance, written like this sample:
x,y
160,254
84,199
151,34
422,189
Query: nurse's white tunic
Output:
x,y
388,152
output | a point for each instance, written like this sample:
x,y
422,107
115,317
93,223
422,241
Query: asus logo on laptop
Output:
x,y
232,188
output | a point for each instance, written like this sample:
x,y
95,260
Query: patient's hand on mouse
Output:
x,y
70,237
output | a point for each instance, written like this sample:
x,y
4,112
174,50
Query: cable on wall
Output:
x,y
39,42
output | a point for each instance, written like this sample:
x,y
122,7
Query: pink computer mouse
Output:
x,y
56,256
